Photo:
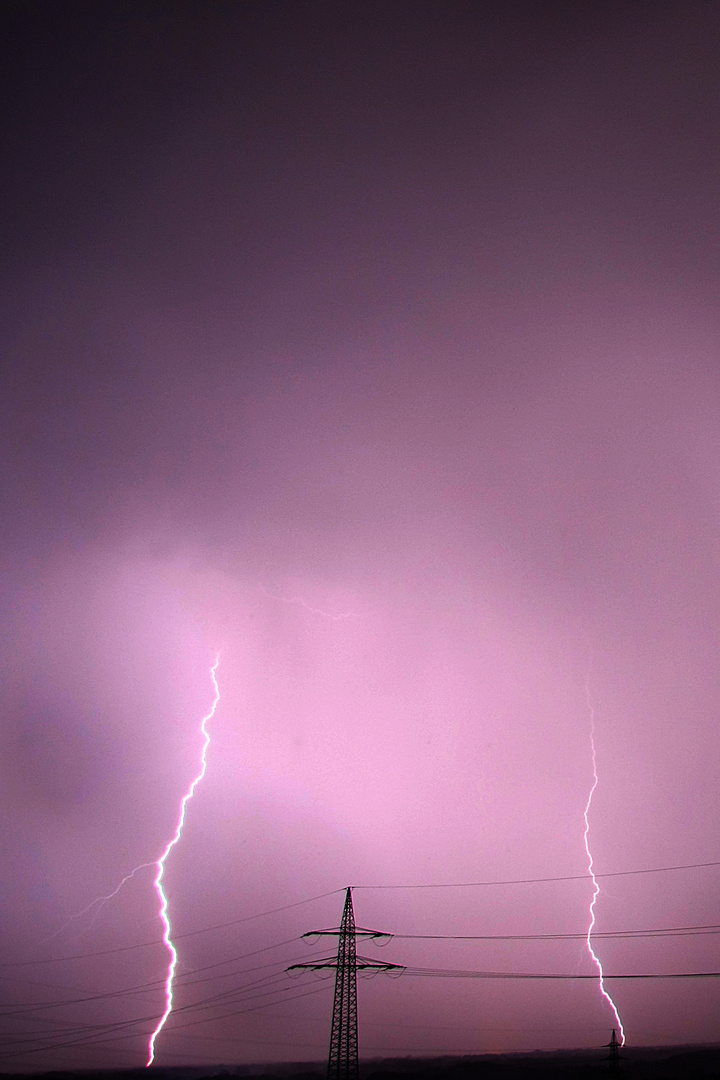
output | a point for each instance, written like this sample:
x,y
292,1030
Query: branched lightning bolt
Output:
x,y
160,864
100,900
596,887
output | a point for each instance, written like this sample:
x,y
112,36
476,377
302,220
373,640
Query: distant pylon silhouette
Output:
x,y
614,1057
343,1058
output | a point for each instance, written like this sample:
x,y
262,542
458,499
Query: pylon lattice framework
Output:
x,y
343,1057
614,1057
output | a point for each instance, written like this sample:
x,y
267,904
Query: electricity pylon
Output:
x,y
614,1057
343,1058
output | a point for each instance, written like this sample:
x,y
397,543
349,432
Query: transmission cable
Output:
x,y
625,935
176,937
534,881
443,973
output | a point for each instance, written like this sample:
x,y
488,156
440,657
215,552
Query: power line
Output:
x,y
259,987
448,973
625,935
102,1030
12,1011
334,892
534,881
205,1003
188,979
176,937
102,1034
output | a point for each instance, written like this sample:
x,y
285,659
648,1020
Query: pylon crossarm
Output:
x,y
366,962
358,932
314,965
362,963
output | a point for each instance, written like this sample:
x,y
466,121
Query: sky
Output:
x,y
373,349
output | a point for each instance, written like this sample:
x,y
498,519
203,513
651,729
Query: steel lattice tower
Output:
x,y
614,1058
343,1057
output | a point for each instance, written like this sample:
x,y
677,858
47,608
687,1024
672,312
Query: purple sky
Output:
x,y
374,345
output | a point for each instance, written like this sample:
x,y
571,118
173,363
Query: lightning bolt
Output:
x,y
100,900
160,864
596,887
336,617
